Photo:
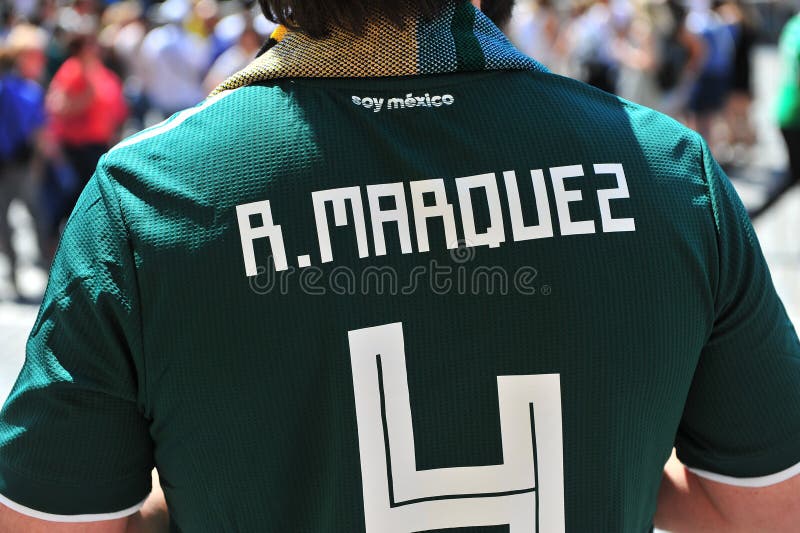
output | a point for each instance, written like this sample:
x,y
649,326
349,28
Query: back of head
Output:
x,y
317,17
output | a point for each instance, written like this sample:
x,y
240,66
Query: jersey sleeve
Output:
x,y
74,443
741,422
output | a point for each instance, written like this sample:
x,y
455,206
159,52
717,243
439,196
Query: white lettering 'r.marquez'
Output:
x,y
503,204
410,100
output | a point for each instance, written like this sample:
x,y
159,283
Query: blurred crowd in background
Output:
x,y
688,59
77,75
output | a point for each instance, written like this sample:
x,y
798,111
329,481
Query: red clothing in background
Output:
x,y
98,122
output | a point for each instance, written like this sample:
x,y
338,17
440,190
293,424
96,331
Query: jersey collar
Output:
x,y
461,39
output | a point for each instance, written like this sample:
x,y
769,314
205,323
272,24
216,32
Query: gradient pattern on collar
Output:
x,y
461,39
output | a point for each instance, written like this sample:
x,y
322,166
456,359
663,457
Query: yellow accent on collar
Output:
x,y
279,33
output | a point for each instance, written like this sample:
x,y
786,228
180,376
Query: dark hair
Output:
x,y
77,42
317,17
499,11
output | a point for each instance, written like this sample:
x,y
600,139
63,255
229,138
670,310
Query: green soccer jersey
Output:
x,y
406,282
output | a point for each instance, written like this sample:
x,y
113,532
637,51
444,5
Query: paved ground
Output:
x,y
16,319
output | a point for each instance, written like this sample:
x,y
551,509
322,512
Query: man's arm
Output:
x,y
12,521
687,502
153,517
84,357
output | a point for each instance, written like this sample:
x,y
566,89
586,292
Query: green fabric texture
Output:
x,y
721,430
469,55
654,309
82,373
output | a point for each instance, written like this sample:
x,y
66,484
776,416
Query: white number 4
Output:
x,y
525,492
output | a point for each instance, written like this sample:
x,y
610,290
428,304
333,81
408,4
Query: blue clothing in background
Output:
x,y
21,113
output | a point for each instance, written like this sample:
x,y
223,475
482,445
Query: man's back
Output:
x,y
489,298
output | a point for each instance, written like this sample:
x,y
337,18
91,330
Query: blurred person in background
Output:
x,y
710,91
174,61
23,9
234,58
681,55
22,119
788,111
740,135
45,15
587,41
567,39
534,29
232,19
6,20
124,29
635,48
64,19
235,17
87,109
91,8
56,51
202,21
